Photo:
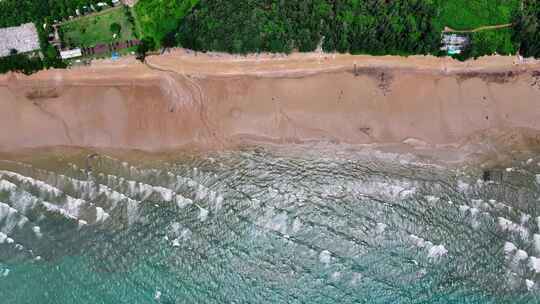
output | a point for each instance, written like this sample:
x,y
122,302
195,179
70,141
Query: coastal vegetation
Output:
x,y
16,12
370,26
158,18
20,63
527,29
359,27
490,42
376,27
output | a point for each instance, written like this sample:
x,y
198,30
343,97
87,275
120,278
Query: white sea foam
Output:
x,y
432,199
418,241
536,242
101,215
201,193
477,203
166,194
474,211
276,222
534,264
183,202
355,278
37,231
296,225
203,214
521,255
437,251
186,234
36,183
71,205
3,237
462,186
219,203
92,190
7,186
434,251
82,223
56,209
525,218
132,210
396,189
509,226
10,217
464,208
23,201
336,275
325,257
380,228
509,248
529,284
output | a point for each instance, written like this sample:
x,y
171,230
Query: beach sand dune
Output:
x,y
218,101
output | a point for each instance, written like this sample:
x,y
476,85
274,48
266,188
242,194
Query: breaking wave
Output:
x,y
259,226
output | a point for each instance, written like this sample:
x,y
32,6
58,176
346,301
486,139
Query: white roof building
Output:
x,y
74,53
454,44
23,38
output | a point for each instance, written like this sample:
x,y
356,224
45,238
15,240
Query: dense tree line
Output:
x,y
383,27
20,63
376,27
489,42
369,26
16,12
526,32
158,17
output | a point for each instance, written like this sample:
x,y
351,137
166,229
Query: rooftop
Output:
x,y
23,38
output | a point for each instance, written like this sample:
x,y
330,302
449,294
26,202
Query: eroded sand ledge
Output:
x,y
222,101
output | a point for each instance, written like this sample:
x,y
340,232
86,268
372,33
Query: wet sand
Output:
x,y
213,101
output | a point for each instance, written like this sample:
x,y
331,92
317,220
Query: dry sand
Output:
x,y
182,100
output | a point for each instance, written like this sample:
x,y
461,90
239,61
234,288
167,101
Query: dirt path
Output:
x,y
482,28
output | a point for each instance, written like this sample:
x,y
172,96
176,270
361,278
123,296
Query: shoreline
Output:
x,y
219,101
293,65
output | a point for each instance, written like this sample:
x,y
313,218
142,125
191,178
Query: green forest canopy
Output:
x,y
160,17
17,12
527,29
369,26
375,27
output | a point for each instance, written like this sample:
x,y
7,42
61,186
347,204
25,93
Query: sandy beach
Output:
x,y
215,101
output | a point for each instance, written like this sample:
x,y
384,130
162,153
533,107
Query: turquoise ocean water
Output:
x,y
269,227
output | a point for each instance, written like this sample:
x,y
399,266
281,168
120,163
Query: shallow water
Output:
x,y
268,227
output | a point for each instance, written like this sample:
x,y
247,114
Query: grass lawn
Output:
x,y
470,14
90,30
